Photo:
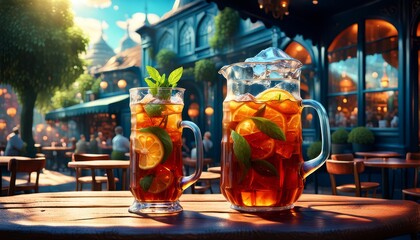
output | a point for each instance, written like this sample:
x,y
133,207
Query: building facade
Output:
x,y
362,66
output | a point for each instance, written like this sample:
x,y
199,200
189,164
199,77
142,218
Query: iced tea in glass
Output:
x,y
262,164
156,173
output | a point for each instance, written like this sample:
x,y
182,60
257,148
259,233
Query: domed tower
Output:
x,y
127,42
98,53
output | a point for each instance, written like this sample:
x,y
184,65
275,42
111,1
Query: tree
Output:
x,y
166,60
39,53
226,25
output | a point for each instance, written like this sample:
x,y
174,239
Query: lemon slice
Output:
x,y
150,149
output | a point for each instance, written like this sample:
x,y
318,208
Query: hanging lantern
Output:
x,y
122,83
209,111
103,84
3,124
11,111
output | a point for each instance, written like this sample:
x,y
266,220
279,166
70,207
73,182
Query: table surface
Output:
x,y
102,164
56,148
379,154
104,215
391,163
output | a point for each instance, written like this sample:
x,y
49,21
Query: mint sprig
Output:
x,y
156,81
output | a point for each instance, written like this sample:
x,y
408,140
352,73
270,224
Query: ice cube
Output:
x,y
247,97
147,99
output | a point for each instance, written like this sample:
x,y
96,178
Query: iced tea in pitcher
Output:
x,y
262,164
156,175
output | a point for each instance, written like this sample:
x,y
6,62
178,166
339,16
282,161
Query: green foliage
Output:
x,y
361,135
340,136
188,72
40,49
166,59
67,96
314,149
226,24
156,81
205,70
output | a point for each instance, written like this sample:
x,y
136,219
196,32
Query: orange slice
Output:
x,y
262,146
161,181
274,94
245,110
150,149
246,127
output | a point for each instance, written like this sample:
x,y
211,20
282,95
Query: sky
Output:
x,y
114,15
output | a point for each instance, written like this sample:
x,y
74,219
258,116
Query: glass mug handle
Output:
x,y
187,181
313,164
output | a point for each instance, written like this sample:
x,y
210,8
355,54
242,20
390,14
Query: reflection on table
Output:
x,y
109,166
385,165
104,215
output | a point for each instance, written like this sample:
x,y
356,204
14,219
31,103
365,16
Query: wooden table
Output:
x,y
389,163
378,154
57,153
217,169
109,166
104,215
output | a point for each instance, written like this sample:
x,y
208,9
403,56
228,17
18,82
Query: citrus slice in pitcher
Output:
x,y
150,150
274,94
162,179
262,146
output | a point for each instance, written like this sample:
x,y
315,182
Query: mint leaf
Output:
x,y
164,138
260,112
154,110
146,182
269,128
153,72
264,168
175,76
242,152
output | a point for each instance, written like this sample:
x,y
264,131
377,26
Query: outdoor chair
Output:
x,y
204,182
415,191
342,157
97,181
25,166
338,167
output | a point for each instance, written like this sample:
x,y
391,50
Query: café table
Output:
x,y
104,215
57,154
217,169
385,165
378,154
109,166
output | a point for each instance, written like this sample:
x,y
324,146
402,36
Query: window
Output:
x,y
379,85
166,42
299,52
205,31
186,40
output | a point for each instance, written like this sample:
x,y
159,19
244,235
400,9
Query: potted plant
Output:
x,y
362,139
339,141
314,149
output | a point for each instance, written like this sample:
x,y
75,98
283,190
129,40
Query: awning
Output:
x,y
104,105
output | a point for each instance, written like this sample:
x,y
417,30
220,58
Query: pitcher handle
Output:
x,y
187,181
313,164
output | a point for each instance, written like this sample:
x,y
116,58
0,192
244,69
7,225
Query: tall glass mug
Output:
x,y
262,164
156,176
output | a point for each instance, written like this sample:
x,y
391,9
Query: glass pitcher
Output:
x,y
262,164
156,173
